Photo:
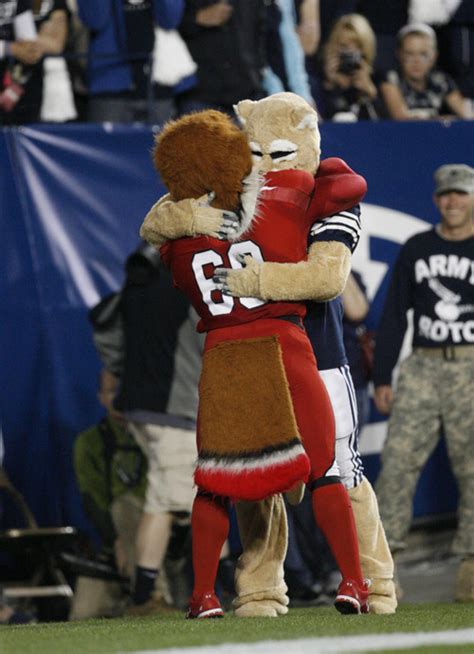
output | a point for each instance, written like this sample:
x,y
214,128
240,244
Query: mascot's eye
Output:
x,y
279,154
256,153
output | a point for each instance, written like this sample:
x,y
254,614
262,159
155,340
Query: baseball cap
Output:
x,y
454,177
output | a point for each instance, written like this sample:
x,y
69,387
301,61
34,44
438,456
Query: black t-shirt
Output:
x,y
434,277
28,108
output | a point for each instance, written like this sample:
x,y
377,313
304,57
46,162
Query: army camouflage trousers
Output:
x,y
431,392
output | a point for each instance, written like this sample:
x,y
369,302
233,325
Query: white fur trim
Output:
x,y
241,465
249,198
282,144
310,121
240,118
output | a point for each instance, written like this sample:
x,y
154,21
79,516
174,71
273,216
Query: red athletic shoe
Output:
x,y
352,598
205,606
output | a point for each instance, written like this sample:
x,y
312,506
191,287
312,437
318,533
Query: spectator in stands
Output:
x,y
76,57
385,24
348,92
357,341
308,25
433,276
227,41
286,70
417,91
31,30
121,46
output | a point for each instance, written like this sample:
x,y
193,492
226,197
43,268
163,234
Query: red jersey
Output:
x,y
278,233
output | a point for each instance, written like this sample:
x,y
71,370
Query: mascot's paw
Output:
x,y
239,283
281,609
261,609
382,597
168,220
207,220
230,226
295,495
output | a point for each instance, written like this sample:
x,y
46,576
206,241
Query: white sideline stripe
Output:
x,y
330,645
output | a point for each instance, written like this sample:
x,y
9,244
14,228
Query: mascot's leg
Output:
x,y
375,557
259,582
210,528
333,512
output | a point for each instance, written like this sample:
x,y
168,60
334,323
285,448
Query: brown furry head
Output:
x,y
203,152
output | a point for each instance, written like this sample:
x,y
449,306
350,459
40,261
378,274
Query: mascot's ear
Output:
x,y
304,118
242,110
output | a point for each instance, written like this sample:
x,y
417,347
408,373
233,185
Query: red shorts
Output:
x,y
311,402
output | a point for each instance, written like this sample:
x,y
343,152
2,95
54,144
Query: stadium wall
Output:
x,y
72,199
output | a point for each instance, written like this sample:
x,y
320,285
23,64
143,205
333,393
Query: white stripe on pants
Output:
x,y
340,387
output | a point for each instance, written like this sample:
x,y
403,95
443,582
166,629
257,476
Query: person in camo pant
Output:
x,y
434,275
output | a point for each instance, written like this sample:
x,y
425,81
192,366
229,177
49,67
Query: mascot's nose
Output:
x,y
266,163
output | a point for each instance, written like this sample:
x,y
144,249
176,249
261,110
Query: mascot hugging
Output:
x,y
235,231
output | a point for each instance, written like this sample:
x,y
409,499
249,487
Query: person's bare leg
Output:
x,y
152,540
153,535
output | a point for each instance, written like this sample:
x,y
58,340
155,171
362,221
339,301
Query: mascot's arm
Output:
x,y
337,187
324,274
168,220
321,277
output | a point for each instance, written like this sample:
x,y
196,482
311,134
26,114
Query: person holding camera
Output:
x,y
348,92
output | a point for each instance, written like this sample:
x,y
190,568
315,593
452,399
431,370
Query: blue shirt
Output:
x,y
323,324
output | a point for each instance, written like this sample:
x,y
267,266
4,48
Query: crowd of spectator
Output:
x,y
137,61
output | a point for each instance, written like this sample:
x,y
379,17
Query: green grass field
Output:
x,y
134,634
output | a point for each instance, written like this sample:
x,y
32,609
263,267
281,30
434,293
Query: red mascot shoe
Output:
x,y
352,598
205,606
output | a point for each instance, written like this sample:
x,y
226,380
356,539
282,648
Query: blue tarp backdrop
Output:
x,y
72,199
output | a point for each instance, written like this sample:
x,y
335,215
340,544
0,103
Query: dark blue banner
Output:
x,y
72,199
